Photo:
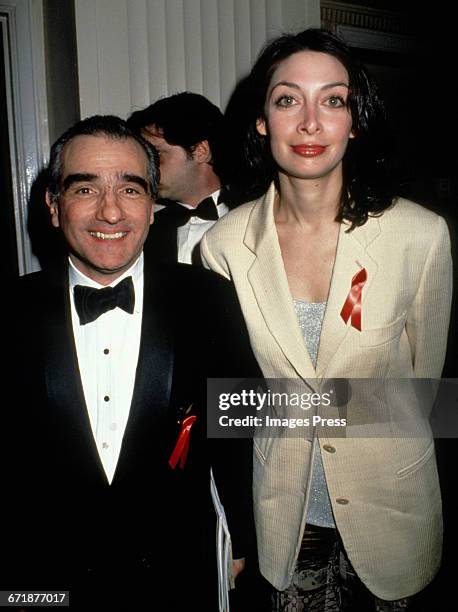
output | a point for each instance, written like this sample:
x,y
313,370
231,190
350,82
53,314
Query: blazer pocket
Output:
x,y
416,465
382,335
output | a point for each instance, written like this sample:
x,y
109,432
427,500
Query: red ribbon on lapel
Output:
x,y
180,452
352,306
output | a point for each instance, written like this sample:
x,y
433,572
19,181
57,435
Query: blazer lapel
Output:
x,y
270,285
351,257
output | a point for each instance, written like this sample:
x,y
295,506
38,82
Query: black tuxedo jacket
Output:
x,y
67,525
161,244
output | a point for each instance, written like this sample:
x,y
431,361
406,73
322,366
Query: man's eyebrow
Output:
x,y
78,178
88,177
134,178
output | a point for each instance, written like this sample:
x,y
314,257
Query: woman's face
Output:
x,y
307,119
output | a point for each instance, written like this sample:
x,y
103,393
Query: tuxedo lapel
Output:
x,y
161,244
351,257
65,393
153,379
63,380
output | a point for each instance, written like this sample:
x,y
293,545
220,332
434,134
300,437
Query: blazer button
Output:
x,y
342,501
329,448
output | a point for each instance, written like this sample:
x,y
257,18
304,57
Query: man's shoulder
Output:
x,y
29,299
163,211
28,288
52,276
195,294
36,292
31,280
188,279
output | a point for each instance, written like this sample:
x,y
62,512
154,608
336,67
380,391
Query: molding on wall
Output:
x,y
368,28
376,41
340,13
27,110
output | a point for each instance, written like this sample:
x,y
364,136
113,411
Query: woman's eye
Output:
x,y
285,101
336,101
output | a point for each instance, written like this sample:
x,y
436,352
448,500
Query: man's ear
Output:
x,y
51,203
151,217
202,153
261,126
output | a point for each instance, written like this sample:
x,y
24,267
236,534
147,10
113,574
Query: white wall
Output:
x,y
131,52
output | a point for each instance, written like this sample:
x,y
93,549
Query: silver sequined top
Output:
x,y
319,511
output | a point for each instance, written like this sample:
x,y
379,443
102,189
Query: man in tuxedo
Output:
x,y
109,493
189,134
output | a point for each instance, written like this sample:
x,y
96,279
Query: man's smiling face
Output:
x,y
105,207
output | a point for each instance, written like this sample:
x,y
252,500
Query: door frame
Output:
x,y
25,76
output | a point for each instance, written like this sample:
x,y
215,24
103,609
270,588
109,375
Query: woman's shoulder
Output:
x,y
404,209
412,217
409,225
234,222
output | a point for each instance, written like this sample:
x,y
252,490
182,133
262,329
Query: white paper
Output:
x,y
223,550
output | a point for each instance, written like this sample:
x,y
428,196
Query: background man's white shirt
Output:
x,y
190,234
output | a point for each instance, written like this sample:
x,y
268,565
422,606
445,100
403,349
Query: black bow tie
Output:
x,y
205,210
90,303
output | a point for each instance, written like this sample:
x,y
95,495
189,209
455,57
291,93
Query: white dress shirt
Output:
x,y
107,351
190,234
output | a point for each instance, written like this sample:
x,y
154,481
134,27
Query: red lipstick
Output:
x,y
309,150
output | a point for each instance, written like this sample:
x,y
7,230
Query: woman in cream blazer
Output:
x,y
383,267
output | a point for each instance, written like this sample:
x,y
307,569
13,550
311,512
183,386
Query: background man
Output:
x,y
188,132
112,371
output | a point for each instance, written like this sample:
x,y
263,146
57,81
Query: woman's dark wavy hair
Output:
x,y
99,125
366,188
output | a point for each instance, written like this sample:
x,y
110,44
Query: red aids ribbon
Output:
x,y
180,452
352,306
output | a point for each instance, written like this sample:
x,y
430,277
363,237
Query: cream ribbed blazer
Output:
x,y
384,491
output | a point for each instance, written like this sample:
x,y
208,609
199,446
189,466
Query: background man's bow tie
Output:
x,y
90,303
205,210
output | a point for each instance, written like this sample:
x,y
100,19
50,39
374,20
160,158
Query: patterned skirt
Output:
x,y
324,580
